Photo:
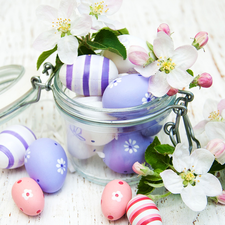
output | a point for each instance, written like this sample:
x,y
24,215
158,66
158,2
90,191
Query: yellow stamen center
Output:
x,y
98,8
215,116
166,65
62,25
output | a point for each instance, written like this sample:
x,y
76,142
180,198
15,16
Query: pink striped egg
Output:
x,y
14,141
141,210
89,75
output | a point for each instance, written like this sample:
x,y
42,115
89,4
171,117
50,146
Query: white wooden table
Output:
x,y
78,202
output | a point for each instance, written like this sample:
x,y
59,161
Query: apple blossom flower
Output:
x,y
170,68
141,169
191,178
164,27
213,124
200,40
217,148
99,12
221,198
63,26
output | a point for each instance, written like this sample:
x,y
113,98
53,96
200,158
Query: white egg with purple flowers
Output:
x,y
14,142
127,91
89,75
124,65
123,152
46,163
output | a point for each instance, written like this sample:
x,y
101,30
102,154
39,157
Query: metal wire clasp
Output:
x,y
172,128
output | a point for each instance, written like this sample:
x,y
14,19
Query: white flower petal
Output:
x,y
147,71
221,107
185,56
113,5
200,127
81,25
172,181
47,13
67,49
67,8
194,197
215,130
210,185
181,157
158,84
202,160
178,78
84,8
210,106
163,45
46,40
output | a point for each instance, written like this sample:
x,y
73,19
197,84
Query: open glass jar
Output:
x,y
102,143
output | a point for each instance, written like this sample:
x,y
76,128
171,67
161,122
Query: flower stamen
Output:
x,y
215,116
166,65
98,8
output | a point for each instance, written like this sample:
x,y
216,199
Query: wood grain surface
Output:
x,y
78,202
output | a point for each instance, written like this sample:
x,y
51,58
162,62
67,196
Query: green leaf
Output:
x,y
165,149
123,31
144,188
107,40
154,158
58,63
216,167
150,46
44,56
155,185
84,50
190,72
153,177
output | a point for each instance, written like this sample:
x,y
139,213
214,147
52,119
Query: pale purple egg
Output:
x,y
46,163
121,154
89,75
127,91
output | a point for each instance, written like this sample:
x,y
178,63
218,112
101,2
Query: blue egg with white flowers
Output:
x,y
46,163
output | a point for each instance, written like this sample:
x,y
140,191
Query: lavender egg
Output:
x,y
46,163
14,142
89,75
122,153
127,91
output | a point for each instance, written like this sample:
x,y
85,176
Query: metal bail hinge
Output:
x,y
172,128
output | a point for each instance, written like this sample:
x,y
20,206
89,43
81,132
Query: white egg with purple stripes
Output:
x,y
14,141
89,75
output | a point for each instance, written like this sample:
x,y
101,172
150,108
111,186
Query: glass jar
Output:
x,y
104,143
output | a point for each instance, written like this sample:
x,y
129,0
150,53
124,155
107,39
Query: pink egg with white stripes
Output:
x,y
89,75
115,196
142,210
14,141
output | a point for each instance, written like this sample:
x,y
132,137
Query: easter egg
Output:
x,y
46,163
14,142
142,210
151,128
115,196
125,66
28,196
90,135
123,152
89,75
127,91
78,148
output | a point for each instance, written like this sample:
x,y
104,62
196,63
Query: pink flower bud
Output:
x,y
217,148
164,27
137,55
200,40
172,91
221,198
205,80
141,169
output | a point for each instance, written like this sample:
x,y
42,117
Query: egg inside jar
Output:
x,y
110,121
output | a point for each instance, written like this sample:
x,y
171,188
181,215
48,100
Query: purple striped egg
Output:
x,y
14,141
141,210
89,75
